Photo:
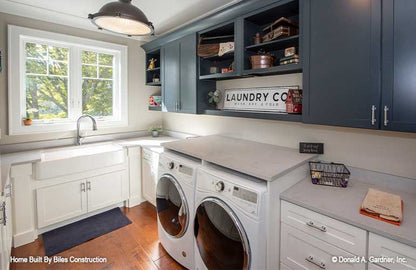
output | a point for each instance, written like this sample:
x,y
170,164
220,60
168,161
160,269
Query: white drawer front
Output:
x,y
375,267
381,246
303,251
335,232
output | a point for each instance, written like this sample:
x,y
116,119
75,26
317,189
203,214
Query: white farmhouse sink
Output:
x,y
76,159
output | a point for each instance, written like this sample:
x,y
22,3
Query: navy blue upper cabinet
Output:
x,y
180,80
342,58
399,65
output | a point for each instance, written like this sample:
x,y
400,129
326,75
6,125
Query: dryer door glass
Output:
x,y
172,208
220,237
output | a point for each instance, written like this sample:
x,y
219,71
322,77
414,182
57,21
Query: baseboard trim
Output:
x,y
24,238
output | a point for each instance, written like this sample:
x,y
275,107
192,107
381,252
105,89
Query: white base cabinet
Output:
x,y
60,202
380,246
150,163
6,234
300,250
310,240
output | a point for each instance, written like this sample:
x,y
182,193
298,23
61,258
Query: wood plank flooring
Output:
x,y
135,246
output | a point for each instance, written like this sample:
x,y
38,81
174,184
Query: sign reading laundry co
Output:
x,y
266,99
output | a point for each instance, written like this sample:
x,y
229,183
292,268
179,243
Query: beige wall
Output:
x,y
139,116
388,152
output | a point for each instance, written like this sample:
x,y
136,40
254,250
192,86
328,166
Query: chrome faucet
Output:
x,y
94,126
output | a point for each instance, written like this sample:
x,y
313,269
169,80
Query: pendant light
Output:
x,y
123,18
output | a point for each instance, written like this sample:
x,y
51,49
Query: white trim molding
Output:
x,y
19,36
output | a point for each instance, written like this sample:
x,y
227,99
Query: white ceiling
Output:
x,y
165,14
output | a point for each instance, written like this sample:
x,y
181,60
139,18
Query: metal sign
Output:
x,y
265,99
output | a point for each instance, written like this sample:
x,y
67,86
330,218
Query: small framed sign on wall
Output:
x,y
263,99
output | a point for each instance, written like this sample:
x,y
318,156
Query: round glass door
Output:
x,y
220,237
172,209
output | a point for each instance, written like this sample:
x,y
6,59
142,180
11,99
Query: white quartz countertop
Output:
x,y
344,204
264,161
7,160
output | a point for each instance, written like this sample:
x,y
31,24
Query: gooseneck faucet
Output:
x,y
94,126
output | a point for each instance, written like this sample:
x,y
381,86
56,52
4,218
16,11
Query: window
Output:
x,y
55,78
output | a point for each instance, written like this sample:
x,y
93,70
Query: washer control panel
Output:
x,y
176,168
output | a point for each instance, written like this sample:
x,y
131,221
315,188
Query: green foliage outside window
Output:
x,y
47,82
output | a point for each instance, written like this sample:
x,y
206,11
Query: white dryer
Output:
x,y
175,206
230,220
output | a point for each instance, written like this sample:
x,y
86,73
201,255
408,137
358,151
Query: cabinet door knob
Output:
x,y
373,115
82,187
386,116
88,185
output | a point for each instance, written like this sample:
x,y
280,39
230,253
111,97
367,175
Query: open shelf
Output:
x,y
258,115
226,32
277,44
284,69
154,83
151,108
219,76
155,72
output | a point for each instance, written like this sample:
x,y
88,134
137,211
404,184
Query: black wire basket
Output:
x,y
329,174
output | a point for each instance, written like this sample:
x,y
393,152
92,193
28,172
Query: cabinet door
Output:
x,y
104,190
60,202
188,73
149,176
341,77
171,74
399,69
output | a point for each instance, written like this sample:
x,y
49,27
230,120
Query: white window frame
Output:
x,y
19,36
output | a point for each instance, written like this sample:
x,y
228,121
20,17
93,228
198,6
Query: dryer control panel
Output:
x,y
243,194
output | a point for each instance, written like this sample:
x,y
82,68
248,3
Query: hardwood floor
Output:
x,y
135,246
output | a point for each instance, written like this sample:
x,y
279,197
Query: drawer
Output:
x,y
372,266
335,232
383,247
300,250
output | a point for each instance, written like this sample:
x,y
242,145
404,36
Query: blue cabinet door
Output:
x,y
188,74
399,65
342,54
171,71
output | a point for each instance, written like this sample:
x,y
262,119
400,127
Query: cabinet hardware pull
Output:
x,y
311,224
386,120
373,115
319,264
88,185
82,187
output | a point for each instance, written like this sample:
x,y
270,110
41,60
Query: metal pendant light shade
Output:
x,y
123,18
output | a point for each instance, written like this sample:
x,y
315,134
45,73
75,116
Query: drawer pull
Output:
x,y
311,224
319,264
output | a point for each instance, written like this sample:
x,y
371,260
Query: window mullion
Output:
x,y
76,83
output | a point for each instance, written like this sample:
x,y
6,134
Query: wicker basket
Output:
x,y
205,50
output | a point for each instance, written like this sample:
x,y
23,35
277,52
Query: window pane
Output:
x,y
97,97
106,59
58,68
57,53
35,50
48,95
106,73
89,71
36,66
89,57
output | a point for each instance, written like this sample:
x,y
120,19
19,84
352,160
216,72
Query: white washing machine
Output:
x,y
175,206
230,220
